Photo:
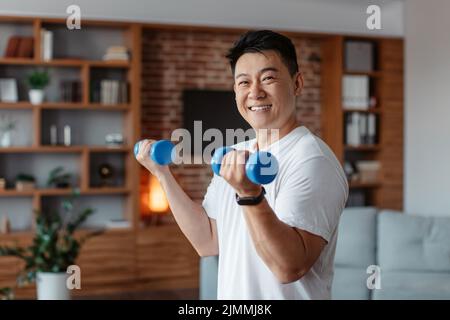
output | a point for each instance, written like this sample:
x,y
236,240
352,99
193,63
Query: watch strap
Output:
x,y
251,201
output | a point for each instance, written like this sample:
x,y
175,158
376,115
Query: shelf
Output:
x,y
63,149
372,74
375,110
63,192
375,147
64,105
65,63
16,193
364,185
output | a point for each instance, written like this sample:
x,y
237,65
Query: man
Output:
x,y
281,245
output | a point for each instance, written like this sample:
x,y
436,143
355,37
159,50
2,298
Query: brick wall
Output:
x,y
178,60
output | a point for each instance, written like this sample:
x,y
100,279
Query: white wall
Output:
x,y
333,16
427,121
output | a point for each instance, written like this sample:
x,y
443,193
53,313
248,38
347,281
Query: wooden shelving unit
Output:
x,y
385,82
82,154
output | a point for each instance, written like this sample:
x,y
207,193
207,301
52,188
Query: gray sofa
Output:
x,y
412,254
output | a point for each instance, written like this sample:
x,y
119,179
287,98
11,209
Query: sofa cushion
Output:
x,y
350,284
413,243
356,242
208,277
413,285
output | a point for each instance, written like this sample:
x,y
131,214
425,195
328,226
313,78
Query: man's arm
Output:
x,y
200,230
192,219
288,252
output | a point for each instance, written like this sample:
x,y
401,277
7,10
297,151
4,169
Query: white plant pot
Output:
x,y
52,286
36,96
5,139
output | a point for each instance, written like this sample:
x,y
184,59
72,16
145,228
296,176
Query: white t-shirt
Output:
x,y
309,193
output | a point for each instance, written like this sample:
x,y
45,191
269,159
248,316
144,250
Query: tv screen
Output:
x,y
212,109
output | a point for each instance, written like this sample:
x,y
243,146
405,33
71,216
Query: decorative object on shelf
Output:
x,y
53,135
349,170
106,173
7,126
8,90
25,182
37,81
67,135
114,139
5,225
2,183
58,178
53,250
359,56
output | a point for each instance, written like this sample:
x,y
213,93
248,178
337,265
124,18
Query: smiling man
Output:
x,y
281,244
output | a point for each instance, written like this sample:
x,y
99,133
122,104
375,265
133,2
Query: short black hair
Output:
x,y
264,40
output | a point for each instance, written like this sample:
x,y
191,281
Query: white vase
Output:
x,y
5,139
52,286
36,96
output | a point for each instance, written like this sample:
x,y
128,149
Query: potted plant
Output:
x,y
54,248
25,182
37,81
58,178
7,126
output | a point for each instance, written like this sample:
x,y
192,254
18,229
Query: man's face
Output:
x,y
265,91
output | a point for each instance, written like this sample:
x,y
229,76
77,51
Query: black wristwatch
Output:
x,y
251,201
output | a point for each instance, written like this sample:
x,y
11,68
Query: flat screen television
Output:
x,y
216,110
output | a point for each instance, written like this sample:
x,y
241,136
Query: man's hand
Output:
x,y
233,171
144,158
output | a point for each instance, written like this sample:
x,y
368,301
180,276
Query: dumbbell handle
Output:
x,y
161,151
260,168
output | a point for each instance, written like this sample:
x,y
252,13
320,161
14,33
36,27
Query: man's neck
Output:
x,y
266,137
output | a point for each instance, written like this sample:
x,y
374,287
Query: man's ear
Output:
x,y
298,78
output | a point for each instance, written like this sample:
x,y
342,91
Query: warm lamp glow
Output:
x,y
157,201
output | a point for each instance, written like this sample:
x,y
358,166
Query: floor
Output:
x,y
179,294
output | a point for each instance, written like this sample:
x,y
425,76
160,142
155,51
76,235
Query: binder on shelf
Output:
x,y
355,92
360,129
371,129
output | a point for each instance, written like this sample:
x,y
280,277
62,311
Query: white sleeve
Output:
x,y
211,202
312,197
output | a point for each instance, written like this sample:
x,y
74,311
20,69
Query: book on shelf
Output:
x,y
71,91
117,224
19,47
46,45
116,53
355,92
360,129
109,92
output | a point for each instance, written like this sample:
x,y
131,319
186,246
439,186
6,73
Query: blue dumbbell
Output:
x,y
260,168
160,151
